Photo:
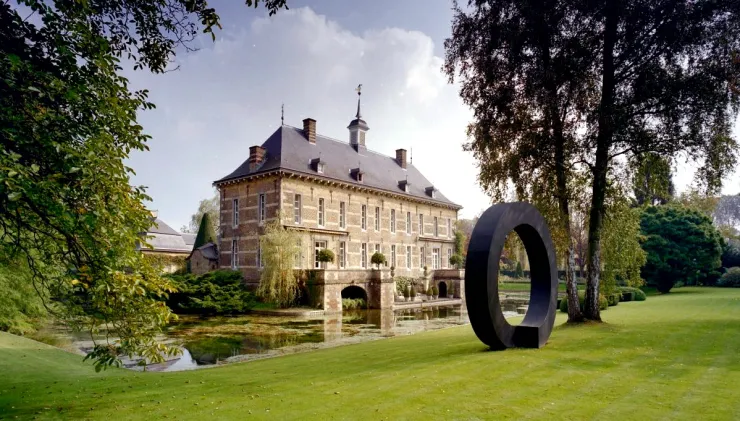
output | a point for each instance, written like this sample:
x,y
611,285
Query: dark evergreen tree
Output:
x,y
206,234
681,245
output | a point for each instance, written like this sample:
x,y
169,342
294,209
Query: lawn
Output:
x,y
670,357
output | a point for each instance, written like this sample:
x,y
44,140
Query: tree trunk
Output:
x,y
600,168
555,122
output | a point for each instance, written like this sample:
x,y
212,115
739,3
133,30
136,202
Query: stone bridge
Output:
x,y
375,285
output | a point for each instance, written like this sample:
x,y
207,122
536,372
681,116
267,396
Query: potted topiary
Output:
x,y
456,260
406,294
430,293
377,259
413,294
324,256
435,292
451,291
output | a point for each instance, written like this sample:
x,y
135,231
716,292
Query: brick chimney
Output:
x,y
309,129
401,157
256,157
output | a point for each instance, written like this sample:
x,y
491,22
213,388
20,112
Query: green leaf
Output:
x,y
34,168
14,196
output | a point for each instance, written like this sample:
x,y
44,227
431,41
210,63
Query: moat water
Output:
x,y
217,340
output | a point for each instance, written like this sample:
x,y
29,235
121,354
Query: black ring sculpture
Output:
x,y
481,277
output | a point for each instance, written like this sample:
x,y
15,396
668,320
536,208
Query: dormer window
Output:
x,y
357,175
318,165
405,186
431,192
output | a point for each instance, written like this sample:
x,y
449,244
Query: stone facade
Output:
x,y
199,264
345,231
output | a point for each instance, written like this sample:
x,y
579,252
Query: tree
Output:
x,y
681,245
206,234
652,182
377,259
664,80
731,254
278,246
523,73
626,79
207,206
67,124
623,255
465,226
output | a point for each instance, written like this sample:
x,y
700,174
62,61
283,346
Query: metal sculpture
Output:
x,y
482,271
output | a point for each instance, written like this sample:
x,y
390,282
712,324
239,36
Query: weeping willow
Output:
x,y
279,247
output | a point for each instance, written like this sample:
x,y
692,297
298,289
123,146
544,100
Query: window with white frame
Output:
x,y
393,220
321,212
421,224
261,207
436,227
297,209
422,257
363,255
435,258
235,216
363,217
377,248
449,256
318,246
234,254
342,215
408,257
393,255
408,222
449,228
342,254
377,218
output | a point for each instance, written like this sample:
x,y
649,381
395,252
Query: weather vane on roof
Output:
x,y
282,114
359,92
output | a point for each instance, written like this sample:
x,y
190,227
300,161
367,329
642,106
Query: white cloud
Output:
x,y
227,96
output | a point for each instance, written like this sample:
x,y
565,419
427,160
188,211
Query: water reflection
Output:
x,y
207,341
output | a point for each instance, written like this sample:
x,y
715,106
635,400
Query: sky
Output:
x,y
227,96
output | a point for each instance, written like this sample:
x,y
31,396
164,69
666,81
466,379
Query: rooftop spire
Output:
x,y
359,94
282,114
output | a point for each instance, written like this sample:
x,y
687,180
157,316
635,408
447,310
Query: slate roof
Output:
x,y
288,149
208,250
165,239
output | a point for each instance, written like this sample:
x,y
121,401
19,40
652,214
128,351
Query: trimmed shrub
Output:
x,y
627,296
519,271
413,292
637,293
218,292
613,299
435,290
325,255
603,302
378,259
430,291
731,278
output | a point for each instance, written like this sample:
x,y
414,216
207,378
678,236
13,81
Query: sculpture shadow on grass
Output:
x,y
482,271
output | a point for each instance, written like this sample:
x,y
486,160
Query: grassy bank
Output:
x,y
671,357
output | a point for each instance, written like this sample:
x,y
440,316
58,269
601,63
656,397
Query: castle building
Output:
x,y
341,196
